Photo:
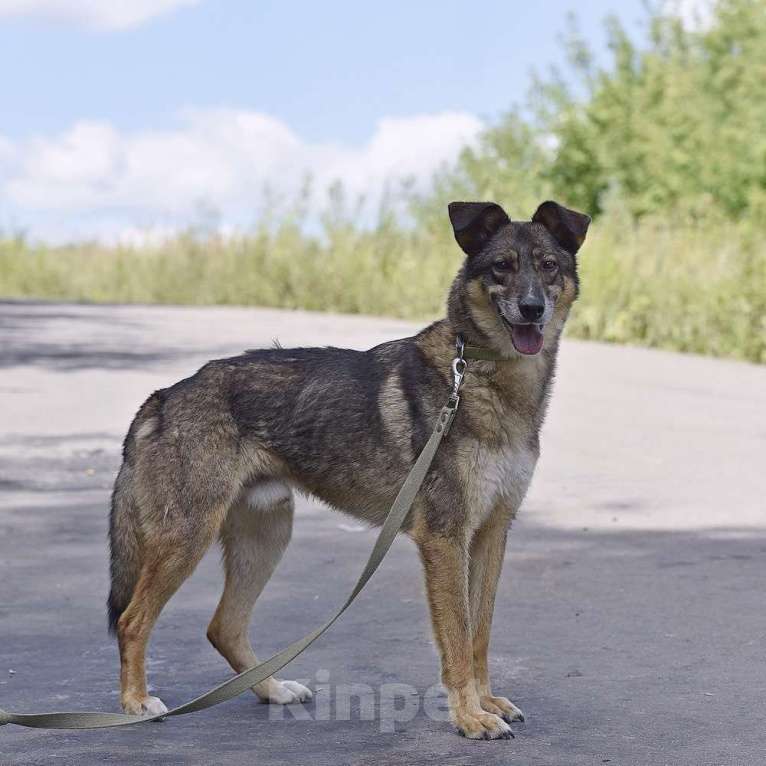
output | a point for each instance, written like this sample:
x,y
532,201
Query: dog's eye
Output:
x,y
502,265
548,264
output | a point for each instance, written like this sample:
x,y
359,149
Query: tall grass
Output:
x,y
690,288
695,289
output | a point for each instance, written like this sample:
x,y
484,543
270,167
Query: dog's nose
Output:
x,y
531,309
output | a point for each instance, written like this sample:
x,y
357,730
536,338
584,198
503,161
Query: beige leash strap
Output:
x,y
235,686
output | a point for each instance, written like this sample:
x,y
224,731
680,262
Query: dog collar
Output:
x,y
477,352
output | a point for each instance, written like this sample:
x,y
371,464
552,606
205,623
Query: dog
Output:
x,y
219,454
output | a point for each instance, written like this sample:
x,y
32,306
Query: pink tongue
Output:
x,y
527,339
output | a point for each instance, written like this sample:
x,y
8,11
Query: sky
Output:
x,y
124,117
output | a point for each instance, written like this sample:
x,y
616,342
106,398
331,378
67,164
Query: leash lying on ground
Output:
x,y
243,681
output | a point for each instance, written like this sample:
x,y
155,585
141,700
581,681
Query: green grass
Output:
x,y
700,290
697,289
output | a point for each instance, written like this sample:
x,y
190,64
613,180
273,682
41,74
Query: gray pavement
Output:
x,y
631,617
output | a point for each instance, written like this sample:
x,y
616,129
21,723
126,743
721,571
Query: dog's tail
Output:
x,y
125,535
124,547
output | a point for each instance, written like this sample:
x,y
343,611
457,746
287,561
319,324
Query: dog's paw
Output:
x,y
147,707
482,726
302,693
503,707
284,692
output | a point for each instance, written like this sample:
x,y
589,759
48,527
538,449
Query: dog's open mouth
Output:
x,y
526,338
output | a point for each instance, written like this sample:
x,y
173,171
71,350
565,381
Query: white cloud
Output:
x,y
103,14
94,180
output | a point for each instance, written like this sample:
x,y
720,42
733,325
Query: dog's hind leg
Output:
x,y
162,572
254,536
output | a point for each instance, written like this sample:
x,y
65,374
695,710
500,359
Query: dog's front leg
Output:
x,y
486,561
445,560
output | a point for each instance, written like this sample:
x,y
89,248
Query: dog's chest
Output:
x,y
500,477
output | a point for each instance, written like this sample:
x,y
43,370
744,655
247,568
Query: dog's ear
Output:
x,y
474,223
568,227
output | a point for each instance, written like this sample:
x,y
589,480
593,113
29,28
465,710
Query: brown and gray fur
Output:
x,y
218,455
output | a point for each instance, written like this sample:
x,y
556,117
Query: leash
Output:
x,y
243,681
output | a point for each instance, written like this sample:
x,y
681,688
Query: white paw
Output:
x,y
286,692
148,707
301,692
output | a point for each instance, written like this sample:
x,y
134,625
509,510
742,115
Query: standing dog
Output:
x,y
218,455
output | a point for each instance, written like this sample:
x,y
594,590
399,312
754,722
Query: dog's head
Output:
x,y
520,277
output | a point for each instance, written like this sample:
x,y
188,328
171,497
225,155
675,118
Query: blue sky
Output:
x,y
133,113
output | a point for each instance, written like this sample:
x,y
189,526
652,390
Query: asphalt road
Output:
x,y
631,618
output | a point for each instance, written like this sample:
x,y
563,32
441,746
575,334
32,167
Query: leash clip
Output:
x,y
458,373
